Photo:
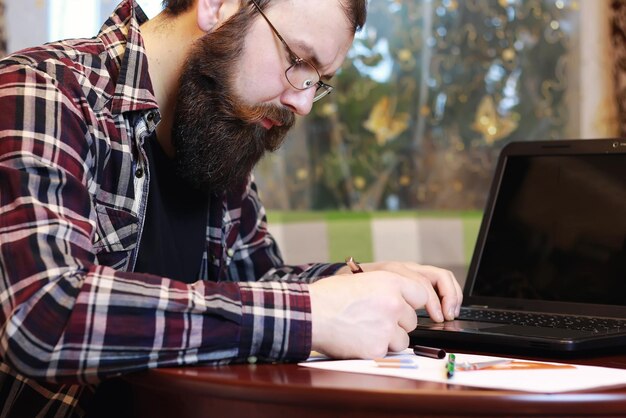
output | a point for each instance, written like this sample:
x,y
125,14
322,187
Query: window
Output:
x,y
83,18
430,93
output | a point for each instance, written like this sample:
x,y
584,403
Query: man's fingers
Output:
x,y
408,319
365,315
419,295
433,307
399,340
414,293
449,291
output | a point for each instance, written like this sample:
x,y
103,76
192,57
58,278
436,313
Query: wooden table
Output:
x,y
288,390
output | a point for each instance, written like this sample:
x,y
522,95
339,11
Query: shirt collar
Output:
x,y
122,39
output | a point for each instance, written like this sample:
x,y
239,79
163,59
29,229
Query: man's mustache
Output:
x,y
282,118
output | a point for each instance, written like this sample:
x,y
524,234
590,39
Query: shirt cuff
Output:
x,y
276,321
320,270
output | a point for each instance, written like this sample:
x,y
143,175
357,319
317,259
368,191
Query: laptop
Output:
x,y
548,273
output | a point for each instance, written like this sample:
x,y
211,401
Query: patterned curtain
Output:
x,y
618,34
3,35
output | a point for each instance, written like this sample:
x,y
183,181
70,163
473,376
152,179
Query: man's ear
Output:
x,y
212,13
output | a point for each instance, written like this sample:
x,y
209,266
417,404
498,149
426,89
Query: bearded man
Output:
x,y
131,232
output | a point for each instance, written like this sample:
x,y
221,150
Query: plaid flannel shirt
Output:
x,y
73,190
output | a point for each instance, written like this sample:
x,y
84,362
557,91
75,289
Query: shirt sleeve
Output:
x,y
254,254
66,319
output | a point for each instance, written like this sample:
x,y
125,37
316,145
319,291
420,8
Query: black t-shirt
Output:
x,y
174,232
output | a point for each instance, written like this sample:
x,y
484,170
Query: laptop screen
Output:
x,y
557,231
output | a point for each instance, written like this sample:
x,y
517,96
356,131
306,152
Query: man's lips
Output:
x,y
268,123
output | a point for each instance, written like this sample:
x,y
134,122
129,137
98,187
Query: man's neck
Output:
x,y
167,40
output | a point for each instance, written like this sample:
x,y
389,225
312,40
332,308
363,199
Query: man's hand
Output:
x,y
444,292
366,315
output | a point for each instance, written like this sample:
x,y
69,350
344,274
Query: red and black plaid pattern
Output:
x,y
73,189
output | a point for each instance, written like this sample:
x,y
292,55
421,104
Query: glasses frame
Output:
x,y
322,89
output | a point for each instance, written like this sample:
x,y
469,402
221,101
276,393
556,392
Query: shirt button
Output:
x,y
150,116
139,173
230,252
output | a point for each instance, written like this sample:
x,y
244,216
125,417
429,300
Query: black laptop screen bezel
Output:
x,y
537,148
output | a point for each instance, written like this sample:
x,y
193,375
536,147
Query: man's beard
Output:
x,y
217,137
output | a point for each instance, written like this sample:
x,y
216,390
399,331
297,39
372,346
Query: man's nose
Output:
x,y
298,101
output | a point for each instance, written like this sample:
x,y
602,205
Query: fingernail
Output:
x,y
451,313
439,316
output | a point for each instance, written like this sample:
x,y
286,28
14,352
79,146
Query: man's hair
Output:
x,y
356,10
177,6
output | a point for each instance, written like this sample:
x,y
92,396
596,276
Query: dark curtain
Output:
x,y
618,35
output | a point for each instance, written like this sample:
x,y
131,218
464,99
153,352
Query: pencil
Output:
x,y
354,266
396,363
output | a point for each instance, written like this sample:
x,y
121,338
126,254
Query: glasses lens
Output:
x,y
302,75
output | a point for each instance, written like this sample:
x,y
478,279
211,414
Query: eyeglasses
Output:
x,y
301,74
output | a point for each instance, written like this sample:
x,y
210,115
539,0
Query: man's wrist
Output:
x,y
343,270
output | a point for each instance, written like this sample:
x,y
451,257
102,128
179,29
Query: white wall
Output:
x,y
26,23
34,22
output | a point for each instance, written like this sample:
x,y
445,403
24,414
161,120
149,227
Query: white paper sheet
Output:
x,y
533,380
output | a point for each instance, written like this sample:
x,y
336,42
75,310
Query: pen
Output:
x,y
354,266
431,352
501,364
450,366
481,365
509,364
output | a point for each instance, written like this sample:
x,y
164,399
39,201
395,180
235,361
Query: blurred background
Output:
x,y
430,93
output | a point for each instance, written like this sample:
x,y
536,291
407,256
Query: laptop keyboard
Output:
x,y
584,323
